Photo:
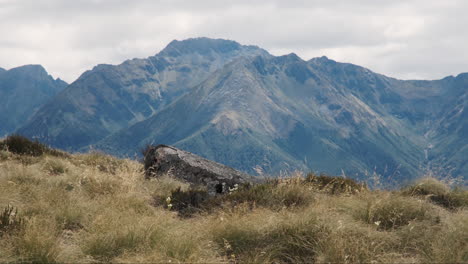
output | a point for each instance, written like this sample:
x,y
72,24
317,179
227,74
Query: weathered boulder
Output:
x,y
193,169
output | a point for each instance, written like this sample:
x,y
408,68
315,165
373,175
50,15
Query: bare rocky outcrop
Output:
x,y
193,169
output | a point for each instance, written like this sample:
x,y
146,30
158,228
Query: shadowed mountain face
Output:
x,y
243,107
22,91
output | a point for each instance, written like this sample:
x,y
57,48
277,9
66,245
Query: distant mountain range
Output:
x,y
241,106
22,91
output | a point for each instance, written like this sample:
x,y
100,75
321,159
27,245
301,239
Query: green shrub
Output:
x,y
335,185
20,145
23,146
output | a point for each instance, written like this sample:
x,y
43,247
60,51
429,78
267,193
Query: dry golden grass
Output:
x,y
96,208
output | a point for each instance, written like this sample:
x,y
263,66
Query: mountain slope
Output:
x,y
449,134
108,98
276,113
22,91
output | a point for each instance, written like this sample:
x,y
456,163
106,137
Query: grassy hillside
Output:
x,y
57,207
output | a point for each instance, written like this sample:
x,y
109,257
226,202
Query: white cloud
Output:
x,y
399,38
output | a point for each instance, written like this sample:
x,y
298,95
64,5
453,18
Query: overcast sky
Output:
x,y
407,39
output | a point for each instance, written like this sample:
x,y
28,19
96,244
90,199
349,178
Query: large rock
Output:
x,y
194,169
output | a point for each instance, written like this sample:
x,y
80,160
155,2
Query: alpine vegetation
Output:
x,y
97,208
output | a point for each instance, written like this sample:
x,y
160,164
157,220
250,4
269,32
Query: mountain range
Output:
x,y
263,114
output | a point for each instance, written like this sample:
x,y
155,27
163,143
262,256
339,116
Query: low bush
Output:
x,y
20,145
23,146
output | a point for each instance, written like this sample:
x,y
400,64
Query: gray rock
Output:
x,y
193,169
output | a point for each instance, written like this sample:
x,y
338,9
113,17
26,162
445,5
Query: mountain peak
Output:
x,y
32,70
321,60
203,46
22,91
291,57
61,82
463,75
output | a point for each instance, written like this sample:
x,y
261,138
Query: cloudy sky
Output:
x,y
407,39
